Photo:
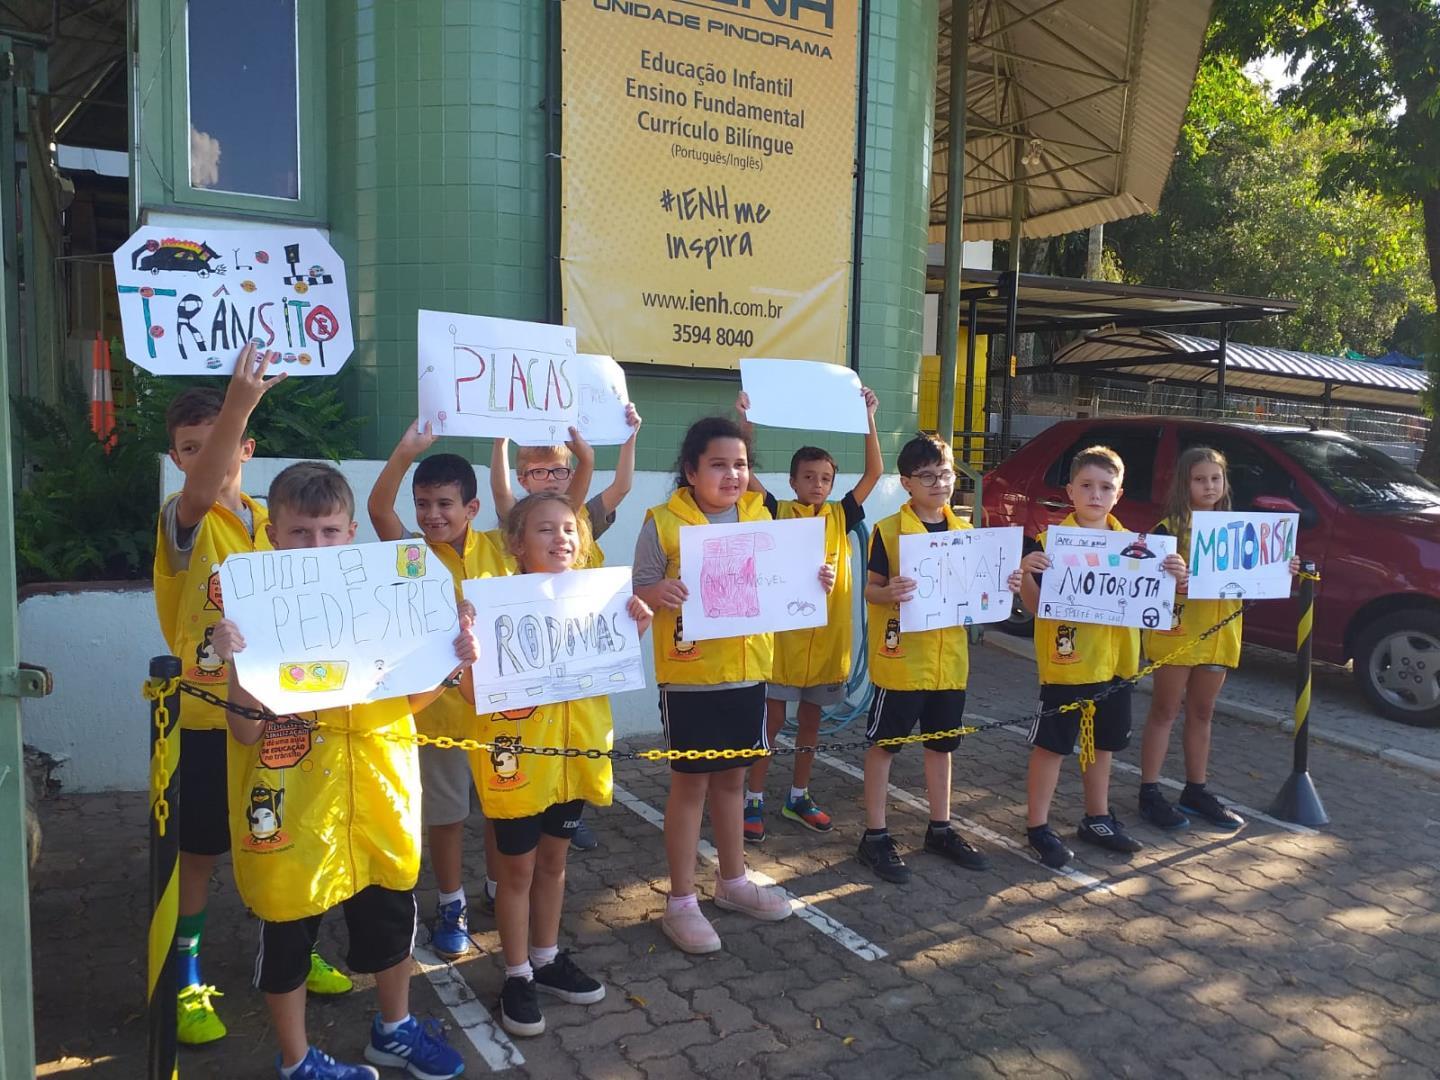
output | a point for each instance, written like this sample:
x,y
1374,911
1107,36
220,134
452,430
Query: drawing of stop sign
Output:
x,y
322,326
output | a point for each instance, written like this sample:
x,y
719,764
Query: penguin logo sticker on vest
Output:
x,y
892,637
1065,645
681,649
505,760
263,816
209,668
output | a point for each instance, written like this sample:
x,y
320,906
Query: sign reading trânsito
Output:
x,y
709,151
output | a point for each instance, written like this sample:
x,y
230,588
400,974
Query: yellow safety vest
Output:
x,y
515,785
450,714
1193,618
590,559
318,815
719,660
821,656
920,659
188,602
1069,654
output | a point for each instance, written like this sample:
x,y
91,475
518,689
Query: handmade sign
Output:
x,y
805,394
602,397
335,626
191,297
1235,555
959,576
752,577
1114,578
554,637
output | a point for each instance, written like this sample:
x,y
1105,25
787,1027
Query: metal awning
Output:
x,y
1155,355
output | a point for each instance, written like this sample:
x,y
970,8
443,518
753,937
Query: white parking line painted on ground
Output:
x,y
1080,878
1125,766
489,1040
831,928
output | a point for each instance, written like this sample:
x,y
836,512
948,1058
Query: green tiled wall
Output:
x,y
436,167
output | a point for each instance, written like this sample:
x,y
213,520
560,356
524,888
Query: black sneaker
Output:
x,y
1106,831
520,1007
956,848
1203,805
1156,809
1048,847
882,855
563,978
584,839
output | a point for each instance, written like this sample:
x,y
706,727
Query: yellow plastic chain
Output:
x,y
158,691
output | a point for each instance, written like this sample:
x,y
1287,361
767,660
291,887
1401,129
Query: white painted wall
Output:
x,y
98,643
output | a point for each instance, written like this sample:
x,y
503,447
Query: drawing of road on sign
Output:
x,y
728,583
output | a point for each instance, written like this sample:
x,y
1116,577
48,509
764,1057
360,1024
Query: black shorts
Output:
x,y
1057,732
381,926
893,714
204,786
714,720
521,835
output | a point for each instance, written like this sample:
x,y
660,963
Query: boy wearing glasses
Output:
x,y
918,675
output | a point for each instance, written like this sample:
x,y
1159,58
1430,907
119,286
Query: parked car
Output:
x,y
1370,524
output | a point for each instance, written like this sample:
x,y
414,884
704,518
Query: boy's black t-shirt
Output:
x,y
854,512
879,561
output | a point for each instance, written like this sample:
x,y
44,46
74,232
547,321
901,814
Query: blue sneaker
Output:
x,y
318,1065
419,1049
451,936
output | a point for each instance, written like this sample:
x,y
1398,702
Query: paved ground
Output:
x,y
1272,953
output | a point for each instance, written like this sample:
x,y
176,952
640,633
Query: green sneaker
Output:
x,y
324,978
197,1023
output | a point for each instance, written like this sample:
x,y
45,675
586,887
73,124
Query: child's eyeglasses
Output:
x,y
559,472
932,479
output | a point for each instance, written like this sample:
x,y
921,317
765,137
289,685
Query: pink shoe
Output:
x,y
764,902
689,930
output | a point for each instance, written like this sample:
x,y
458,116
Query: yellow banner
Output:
x,y
708,178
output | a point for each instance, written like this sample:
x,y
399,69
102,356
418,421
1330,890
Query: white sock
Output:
x,y
390,1029
451,897
679,903
520,971
734,882
754,796
796,792
540,957
490,887
288,1071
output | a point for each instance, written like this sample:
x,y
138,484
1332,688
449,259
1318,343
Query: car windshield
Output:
x,y
1358,475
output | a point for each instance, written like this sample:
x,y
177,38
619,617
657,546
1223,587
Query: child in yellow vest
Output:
x,y
535,803
811,666
333,822
1076,663
919,676
1200,483
444,491
210,519
712,693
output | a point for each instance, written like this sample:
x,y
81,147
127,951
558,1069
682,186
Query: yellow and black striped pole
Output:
x,y
1298,800
162,690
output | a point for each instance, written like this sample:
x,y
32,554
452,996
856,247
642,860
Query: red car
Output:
x,y
1370,524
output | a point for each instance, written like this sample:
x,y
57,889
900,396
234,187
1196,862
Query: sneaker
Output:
x,y
450,936
1107,832
584,838
1156,809
563,978
689,930
764,902
882,855
325,978
486,903
807,813
197,1023
1045,842
754,821
956,848
419,1049
520,1008
318,1065
1202,804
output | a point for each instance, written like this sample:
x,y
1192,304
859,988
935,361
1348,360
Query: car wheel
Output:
x,y
1020,623
1397,664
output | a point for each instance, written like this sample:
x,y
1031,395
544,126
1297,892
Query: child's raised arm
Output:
x,y
381,504
614,495
579,489
500,477
874,460
227,641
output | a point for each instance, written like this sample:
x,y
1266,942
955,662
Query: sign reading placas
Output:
x,y
805,394
191,297
333,626
752,577
1113,578
959,576
553,637
1236,555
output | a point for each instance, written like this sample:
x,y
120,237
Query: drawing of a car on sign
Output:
x,y
172,254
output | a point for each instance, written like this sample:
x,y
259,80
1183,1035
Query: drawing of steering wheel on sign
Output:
x,y
800,607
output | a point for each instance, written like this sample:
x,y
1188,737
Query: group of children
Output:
x,y
354,842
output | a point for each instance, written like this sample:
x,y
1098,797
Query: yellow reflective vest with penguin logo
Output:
x,y
821,656
917,659
514,784
1071,654
718,660
1192,618
188,602
318,814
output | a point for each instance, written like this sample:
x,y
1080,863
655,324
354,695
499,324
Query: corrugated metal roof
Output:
x,y
1249,369
1094,91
